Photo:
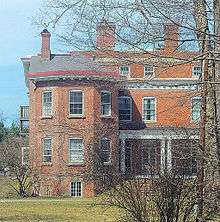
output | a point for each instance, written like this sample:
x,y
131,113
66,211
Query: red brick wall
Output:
x,y
61,127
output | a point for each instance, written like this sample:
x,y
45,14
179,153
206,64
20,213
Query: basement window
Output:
x,y
76,189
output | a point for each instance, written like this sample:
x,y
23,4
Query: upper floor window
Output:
x,y
196,109
76,189
197,71
125,108
124,70
76,105
148,71
105,103
105,150
76,151
47,150
149,109
47,104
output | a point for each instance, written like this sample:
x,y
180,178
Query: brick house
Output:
x,y
134,109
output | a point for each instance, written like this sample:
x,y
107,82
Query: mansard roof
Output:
x,y
74,64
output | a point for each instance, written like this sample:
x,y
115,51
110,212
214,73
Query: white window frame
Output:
x,y
121,73
43,104
193,71
78,162
23,149
83,105
81,189
200,98
131,108
149,75
110,150
155,119
110,111
43,149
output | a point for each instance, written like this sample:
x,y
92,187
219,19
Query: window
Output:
x,y
196,109
76,151
76,103
125,108
124,70
76,189
105,103
150,156
24,155
197,71
47,104
148,71
149,109
47,150
105,150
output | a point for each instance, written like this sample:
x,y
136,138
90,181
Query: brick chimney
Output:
x,y
171,37
105,35
45,48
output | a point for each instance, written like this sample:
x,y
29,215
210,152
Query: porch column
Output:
x,y
166,154
163,155
123,156
169,154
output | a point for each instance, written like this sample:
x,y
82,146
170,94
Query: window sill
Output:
x,y
150,121
107,163
76,164
106,117
46,117
76,117
47,164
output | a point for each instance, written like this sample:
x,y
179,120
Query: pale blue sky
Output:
x,y
18,37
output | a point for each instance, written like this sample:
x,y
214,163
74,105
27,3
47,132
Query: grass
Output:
x,y
6,191
56,210
50,209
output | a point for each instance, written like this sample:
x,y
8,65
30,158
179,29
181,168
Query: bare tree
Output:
x,y
139,25
11,158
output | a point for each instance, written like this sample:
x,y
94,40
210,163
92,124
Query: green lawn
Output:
x,y
54,210
13,208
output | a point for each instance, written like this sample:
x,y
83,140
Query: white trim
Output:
x,y
110,113
42,103
123,156
23,155
83,105
155,102
83,160
131,108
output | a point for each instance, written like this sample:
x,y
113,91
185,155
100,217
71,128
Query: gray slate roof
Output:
x,y
64,62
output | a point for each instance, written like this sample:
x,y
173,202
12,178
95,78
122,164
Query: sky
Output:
x,y
18,38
